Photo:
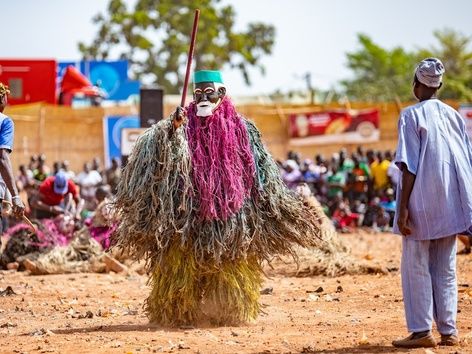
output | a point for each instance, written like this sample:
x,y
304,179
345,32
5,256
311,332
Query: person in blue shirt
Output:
x,y
7,179
434,204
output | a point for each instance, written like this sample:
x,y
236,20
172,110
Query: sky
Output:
x,y
311,35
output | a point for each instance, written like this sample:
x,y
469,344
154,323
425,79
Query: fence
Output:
x,y
77,134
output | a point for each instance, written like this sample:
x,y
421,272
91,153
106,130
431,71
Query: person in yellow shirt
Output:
x,y
378,170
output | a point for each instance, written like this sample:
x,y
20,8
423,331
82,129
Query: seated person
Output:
x,y
292,175
382,220
344,219
101,224
57,195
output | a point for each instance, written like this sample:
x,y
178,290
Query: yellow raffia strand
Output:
x,y
186,292
232,292
175,294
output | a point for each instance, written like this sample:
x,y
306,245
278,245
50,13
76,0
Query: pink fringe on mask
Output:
x,y
222,161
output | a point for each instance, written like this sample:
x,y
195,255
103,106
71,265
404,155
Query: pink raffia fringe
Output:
x,y
48,234
222,161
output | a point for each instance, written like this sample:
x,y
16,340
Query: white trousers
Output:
x,y
429,284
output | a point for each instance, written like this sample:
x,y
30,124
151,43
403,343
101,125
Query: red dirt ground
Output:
x,y
44,316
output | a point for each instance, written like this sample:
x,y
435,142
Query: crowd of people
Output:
x,y
356,190
48,192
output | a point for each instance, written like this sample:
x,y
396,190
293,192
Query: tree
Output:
x,y
154,36
379,74
455,53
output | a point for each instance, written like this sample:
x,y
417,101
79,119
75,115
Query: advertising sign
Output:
x,y
112,127
337,126
129,136
110,76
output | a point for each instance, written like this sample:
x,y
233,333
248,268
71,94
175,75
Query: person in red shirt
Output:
x,y
57,195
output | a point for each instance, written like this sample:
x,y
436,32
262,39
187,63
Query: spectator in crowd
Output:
x,y
370,161
295,156
57,195
42,170
56,166
33,163
25,178
88,181
292,175
389,204
381,220
66,168
343,219
371,212
345,164
336,183
97,166
42,162
361,155
358,179
113,174
379,172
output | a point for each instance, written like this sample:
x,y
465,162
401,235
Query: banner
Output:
x,y
337,126
112,127
466,112
110,76
129,136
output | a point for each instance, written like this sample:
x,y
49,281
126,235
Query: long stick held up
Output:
x,y
190,56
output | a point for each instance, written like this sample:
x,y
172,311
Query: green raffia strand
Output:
x,y
159,215
153,198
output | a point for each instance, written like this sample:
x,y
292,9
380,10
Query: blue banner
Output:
x,y
110,76
112,126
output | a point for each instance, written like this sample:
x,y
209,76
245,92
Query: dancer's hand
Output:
x,y
18,208
179,117
403,222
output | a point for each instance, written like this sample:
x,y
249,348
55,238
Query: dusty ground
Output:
x,y
45,315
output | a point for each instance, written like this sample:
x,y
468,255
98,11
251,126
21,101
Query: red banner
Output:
x,y
340,126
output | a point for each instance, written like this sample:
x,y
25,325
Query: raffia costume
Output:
x,y
205,205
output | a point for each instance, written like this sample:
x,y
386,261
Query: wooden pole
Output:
x,y
190,56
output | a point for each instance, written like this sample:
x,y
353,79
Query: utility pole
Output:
x,y
311,90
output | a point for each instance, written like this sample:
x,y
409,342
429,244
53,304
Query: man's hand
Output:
x,y
77,217
179,117
18,208
402,223
56,209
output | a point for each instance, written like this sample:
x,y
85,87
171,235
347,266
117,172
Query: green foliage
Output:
x,y
154,36
456,54
380,74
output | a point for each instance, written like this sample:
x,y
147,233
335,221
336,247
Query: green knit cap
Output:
x,y
207,76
